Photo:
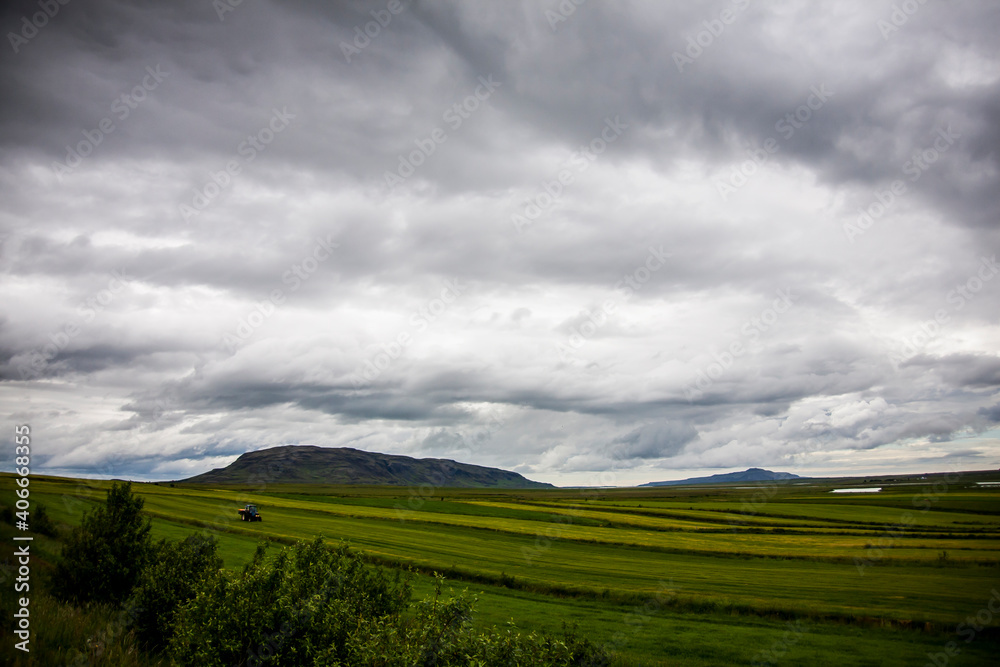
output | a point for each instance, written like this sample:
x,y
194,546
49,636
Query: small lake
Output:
x,y
873,489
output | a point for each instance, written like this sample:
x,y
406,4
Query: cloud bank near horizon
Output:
x,y
558,238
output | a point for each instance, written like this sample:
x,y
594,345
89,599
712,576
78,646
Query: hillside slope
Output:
x,y
748,475
308,464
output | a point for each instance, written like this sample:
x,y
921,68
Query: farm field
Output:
x,y
777,574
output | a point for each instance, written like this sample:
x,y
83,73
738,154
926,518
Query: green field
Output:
x,y
777,574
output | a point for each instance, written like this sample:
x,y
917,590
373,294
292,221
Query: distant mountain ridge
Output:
x,y
748,475
309,464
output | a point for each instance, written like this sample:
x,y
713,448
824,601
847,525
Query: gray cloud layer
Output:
x,y
646,238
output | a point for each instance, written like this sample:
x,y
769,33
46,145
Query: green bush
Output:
x,y
323,607
295,609
442,634
104,556
171,579
41,522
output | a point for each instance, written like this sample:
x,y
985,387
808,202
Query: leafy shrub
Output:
x,y
104,556
41,522
171,579
442,634
299,608
321,606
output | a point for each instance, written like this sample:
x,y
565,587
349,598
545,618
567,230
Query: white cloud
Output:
x,y
146,385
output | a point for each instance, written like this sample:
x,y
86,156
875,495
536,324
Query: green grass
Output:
x,y
658,635
408,506
599,559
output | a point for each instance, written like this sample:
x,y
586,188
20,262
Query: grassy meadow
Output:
x,y
774,573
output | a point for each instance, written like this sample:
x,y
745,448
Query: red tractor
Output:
x,y
249,513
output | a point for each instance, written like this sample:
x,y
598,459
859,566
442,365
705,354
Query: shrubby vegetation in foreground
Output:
x,y
316,605
309,604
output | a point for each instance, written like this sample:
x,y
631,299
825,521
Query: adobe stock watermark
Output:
x,y
624,289
121,108
920,161
638,616
752,506
967,629
476,438
454,116
419,495
87,490
246,152
223,7
779,648
898,17
930,494
59,340
420,321
30,25
558,523
294,277
580,161
751,329
564,10
786,126
957,297
713,29
364,34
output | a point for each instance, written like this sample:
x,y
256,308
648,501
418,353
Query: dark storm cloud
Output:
x,y
990,413
654,441
335,181
963,370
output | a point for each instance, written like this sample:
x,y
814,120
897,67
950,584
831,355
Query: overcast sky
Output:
x,y
589,242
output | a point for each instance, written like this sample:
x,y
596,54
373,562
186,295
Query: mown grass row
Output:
x,y
543,564
641,631
715,521
722,609
925,512
895,548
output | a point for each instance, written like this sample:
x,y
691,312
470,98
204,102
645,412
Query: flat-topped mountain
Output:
x,y
308,464
748,475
